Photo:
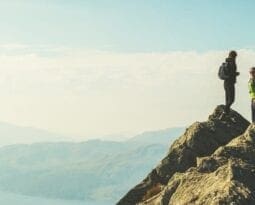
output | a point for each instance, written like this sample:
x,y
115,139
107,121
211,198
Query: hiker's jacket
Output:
x,y
231,71
251,85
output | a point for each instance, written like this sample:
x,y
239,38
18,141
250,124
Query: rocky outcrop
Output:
x,y
202,139
225,177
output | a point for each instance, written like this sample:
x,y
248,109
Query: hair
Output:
x,y
252,69
232,54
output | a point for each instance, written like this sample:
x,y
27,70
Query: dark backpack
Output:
x,y
223,71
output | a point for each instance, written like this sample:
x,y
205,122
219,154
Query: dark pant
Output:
x,y
229,95
253,110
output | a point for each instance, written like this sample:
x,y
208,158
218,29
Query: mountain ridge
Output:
x,y
200,140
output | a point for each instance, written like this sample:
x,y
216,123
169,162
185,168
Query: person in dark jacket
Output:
x,y
229,82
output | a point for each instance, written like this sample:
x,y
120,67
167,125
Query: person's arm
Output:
x,y
233,69
252,89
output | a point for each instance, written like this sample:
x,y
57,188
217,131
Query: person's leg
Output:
x,y
231,95
253,110
227,98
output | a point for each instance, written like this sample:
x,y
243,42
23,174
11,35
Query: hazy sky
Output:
x,y
99,67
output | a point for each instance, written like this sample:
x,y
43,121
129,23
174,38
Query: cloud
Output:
x,y
96,92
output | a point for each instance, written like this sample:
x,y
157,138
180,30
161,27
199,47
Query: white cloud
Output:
x,y
95,93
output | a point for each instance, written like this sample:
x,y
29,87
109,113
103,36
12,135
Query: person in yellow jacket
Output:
x,y
252,92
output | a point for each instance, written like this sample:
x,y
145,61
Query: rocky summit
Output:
x,y
212,163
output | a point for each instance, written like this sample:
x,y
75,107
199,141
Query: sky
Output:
x,y
102,67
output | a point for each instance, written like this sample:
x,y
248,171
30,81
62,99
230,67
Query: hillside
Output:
x,y
94,170
212,163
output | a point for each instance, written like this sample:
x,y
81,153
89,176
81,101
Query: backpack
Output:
x,y
223,71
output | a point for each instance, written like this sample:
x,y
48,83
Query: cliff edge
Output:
x,y
200,166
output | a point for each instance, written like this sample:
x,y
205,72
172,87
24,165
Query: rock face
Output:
x,y
225,177
202,166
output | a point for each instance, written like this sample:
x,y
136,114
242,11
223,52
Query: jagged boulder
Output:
x,y
226,177
200,140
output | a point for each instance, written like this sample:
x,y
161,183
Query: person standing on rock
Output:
x,y
228,73
252,92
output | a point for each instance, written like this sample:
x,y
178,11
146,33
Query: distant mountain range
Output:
x,y
13,134
94,170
